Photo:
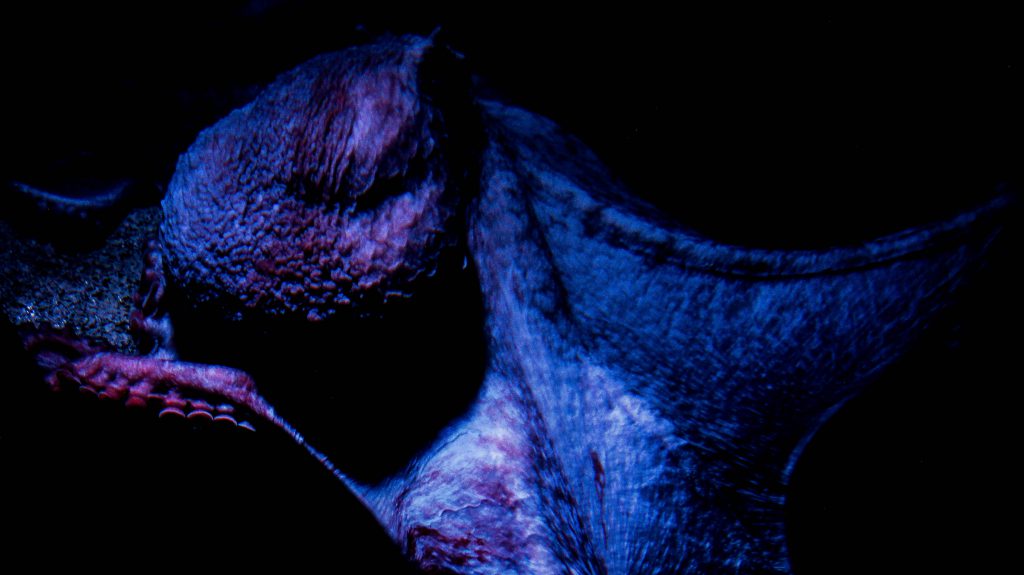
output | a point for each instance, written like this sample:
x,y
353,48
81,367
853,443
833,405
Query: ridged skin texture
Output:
x,y
328,191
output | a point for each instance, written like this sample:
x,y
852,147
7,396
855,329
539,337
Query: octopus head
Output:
x,y
339,188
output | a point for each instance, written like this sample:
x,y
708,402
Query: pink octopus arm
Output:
x,y
158,381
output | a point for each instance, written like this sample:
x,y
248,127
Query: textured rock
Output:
x,y
87,292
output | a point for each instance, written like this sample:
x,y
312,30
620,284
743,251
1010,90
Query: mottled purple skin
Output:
x,y
328,191
646,390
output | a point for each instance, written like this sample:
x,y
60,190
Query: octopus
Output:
x,y
598,389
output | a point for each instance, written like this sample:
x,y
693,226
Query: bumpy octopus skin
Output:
x,y
358,181
645,391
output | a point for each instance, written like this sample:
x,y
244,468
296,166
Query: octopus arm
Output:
x,y
679,377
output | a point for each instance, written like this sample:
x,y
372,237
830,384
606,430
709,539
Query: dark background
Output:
x,y
769,129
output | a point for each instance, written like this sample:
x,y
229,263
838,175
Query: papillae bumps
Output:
x,y
339,187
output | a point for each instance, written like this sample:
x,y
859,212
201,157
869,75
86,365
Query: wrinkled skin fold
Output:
x,y
645,390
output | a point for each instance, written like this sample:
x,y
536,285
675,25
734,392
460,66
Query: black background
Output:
x,y
772,129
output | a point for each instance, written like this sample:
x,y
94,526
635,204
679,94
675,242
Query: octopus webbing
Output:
x,y
642,391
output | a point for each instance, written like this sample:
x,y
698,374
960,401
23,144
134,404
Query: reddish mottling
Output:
x,y
270,245
91,369
514,450
599,480
433,549
135,401
495,491
415,534
175,402
598,469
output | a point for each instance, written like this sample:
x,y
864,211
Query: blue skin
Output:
x,y
646,390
